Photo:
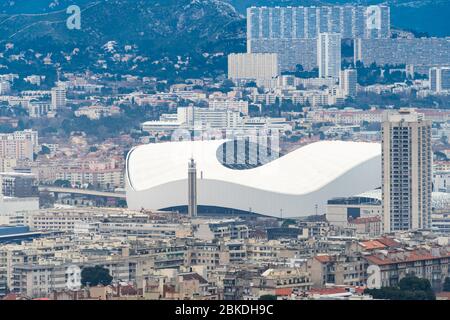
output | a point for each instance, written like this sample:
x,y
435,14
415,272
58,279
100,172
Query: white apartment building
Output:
x,y
346,116
233,105
439,78
65,219
329,55
37,109
314,83
252,66
147,230
59,99
105,179
201,117
348,82
406,171
97,112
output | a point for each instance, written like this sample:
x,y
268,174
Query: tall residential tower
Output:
x,y
406,171
329,55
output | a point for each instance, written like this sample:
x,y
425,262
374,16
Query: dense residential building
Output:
x,y
368,226
292,32
19,145
308,22
19,185
221,229
290,52
341,269
406,171
431,264
252,66
233,105
103,179
395,51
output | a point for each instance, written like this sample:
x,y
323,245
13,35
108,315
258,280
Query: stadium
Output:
x,y
295,184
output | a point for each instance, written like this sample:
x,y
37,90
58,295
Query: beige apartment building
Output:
x,y
19,145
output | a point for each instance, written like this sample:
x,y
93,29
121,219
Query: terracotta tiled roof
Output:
x,y
323,258
372,245
399,257
283,291
389,242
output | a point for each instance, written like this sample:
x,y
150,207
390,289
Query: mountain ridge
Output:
x,y
171,38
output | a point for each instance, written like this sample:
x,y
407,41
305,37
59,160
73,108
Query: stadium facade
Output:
x,y
292,185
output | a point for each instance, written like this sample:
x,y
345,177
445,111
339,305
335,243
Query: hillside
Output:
x,y
170,38
155,30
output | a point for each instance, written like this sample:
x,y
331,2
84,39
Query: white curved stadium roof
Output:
x,y
294,183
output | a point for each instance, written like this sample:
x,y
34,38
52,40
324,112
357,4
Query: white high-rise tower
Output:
x,y
59,97
329,55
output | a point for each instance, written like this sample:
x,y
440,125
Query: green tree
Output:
x,y
288,222
62,183
446,287
94,276
412,283
45,150
409,288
